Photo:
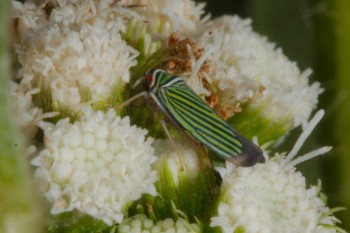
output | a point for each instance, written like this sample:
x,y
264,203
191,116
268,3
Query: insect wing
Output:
x,y
189,111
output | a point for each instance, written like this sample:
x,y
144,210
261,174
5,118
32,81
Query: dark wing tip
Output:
x,y
251,157
251,154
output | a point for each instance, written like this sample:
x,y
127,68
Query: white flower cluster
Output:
x,y
167,16
272,197
75,52
268,198
245,67
96,165
140,223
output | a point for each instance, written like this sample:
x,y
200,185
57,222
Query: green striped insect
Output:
x,y
171,95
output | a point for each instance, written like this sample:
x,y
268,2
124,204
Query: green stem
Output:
x,y
19,209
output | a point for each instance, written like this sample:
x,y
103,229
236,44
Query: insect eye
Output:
x,y
149,80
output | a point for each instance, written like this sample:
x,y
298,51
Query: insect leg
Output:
x,y
172,142
203,155
130,100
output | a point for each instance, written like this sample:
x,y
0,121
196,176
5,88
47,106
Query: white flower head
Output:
x,y
167,16
74,52
245,67
96,165
273,197
157,21
140,223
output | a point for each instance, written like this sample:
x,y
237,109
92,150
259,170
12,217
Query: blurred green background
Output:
x,y
315,34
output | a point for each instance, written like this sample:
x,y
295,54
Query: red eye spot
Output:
x,y
149,80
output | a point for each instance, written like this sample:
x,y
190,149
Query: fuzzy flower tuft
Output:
x,y
167,16
158,20
140,223
273,197
72,52
247,68
96,165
